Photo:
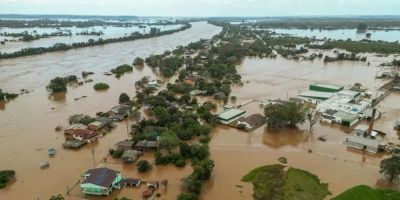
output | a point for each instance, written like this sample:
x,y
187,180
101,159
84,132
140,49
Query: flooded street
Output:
x,y
27,123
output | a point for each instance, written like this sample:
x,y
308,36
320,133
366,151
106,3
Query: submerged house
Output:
x,y
124,145
345,118
100,181
370,145
230,115
85,135
130,156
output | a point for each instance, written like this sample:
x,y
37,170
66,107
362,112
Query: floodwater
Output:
x,y
109,32
27,123
342,34
236,152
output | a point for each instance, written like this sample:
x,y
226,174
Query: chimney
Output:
x,y
371,122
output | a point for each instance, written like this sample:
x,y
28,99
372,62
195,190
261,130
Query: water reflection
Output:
x,y
285,137
58,97
2,105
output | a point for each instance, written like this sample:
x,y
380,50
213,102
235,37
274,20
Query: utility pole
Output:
x,y
94,162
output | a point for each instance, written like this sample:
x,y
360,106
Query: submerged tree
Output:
x,y
285,114
168,141
390,167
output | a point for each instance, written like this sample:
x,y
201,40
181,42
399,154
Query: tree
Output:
x,y
390,167
58,197
124,98
312,119
187,196
136,115
101,86
143,166
285,114
168,140
138,61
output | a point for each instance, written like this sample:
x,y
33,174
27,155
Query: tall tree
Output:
x,y
390,167
168,141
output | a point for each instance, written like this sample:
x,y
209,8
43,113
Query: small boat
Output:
x,y
44,164
51,151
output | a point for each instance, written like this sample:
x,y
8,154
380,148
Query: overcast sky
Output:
x,y
202,7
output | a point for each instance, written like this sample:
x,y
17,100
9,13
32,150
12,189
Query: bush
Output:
x,y
124,98
116,153
187,196
138,61
5,176
122,69
180,162
101,86
143,166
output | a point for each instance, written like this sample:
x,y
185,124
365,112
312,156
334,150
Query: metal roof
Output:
x,y
230,113
316,94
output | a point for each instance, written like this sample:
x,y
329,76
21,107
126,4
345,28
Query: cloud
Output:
x,y
202,7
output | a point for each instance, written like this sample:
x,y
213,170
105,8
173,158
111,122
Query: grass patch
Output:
x,y
367,193
272,182
301,184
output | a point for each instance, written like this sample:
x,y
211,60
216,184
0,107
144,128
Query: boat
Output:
x,y
51,151
44,164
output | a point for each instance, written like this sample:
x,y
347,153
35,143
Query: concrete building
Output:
x,y
230,115
370,145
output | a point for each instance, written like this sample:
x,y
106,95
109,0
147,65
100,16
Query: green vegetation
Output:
x,y
58,197
273,182
116,153
90,42
7,96
169,141
187,196
59,84
124,98
390,167
121,70
5,177
363,46
367,193
143,166
101,86
285,114
138,61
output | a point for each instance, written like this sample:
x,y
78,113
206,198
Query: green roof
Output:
x,y
230,113
325,87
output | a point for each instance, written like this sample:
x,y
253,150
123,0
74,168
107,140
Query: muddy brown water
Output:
x,y
27,123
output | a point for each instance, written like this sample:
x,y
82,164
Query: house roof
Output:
x,y
329,86
351,93
362,140
230,113
130,154
125,143
77,126
84,133
146,143
103,177
345,115
317,94
131,181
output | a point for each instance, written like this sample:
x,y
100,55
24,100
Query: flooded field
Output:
x,y
109,32
343,34
27,123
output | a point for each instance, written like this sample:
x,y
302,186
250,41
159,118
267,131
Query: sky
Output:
x,y
199,8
